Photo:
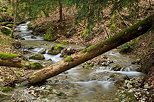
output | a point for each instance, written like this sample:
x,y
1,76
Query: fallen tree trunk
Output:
x,y
14,60
10,63
11,60
93,51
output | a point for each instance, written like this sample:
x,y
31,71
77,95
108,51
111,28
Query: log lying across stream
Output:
x,y
93,51
86,54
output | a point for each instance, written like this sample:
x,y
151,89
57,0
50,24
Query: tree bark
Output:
x,y
60,11
93,51
10,63
14,9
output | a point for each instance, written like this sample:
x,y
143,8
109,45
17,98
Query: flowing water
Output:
x,y
79,84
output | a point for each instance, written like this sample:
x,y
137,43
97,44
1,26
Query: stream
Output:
x,y
83,83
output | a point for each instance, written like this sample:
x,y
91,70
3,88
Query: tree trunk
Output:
x,y
60,11
10,63
14,8
93,51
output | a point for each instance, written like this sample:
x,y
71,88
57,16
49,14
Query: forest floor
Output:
x,y
8,75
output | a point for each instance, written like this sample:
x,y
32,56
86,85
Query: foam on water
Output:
x,y
54,58
129,73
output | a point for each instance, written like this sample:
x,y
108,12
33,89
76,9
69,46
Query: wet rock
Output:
x,y
56,49
18,37
69,51
116,76
42,51
37,57
105,62
117,67
137,61
35,65
33,37
46,63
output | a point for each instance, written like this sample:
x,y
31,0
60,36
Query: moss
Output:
x,y
64,42
6,56
55,49
49,36
6,89
37,57
68,58
9,25
35,65
57,46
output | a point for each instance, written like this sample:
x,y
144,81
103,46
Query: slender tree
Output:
x,y
14,4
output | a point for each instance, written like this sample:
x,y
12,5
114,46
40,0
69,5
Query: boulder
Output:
x,y
56,49
117,67
69,51
37,57
42,51
49,36
35,65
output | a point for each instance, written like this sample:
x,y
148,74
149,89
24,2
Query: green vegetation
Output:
x,y
7,56
49,36
64,42
6,89
35,65
37,57
68,58
56,49
58,46
9,25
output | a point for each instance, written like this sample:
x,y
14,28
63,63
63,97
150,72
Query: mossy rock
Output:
x,y
6,89
35,65
55,49
49,36
37,57
64,42
6,30
7,56
117,67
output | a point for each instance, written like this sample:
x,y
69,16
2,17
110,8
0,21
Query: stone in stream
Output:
x,y
33,37
117,67
37,57
35,65
42,51
56,49
69,51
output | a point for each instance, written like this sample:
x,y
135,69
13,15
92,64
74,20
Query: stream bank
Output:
x,y
89,82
